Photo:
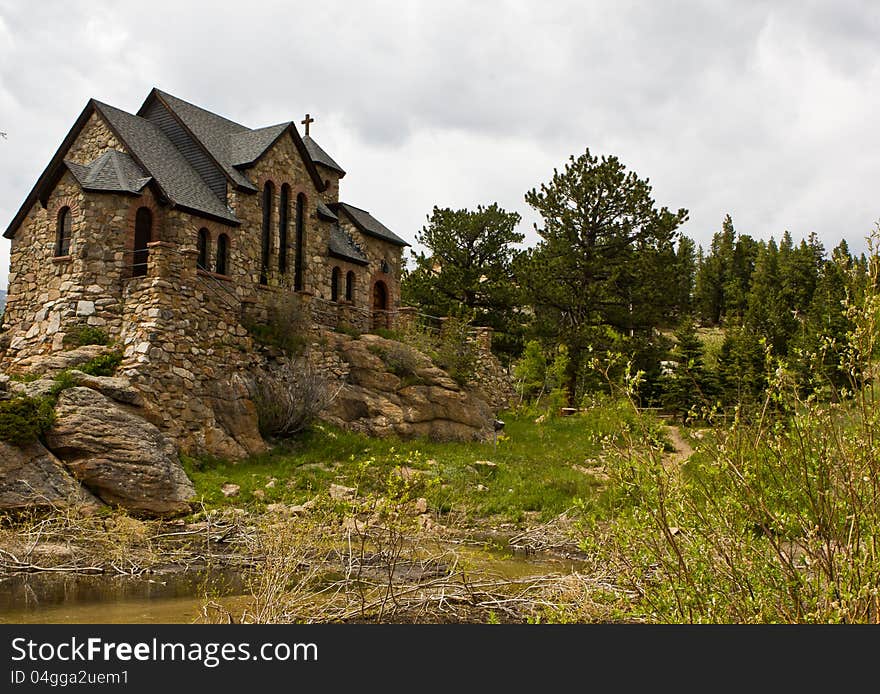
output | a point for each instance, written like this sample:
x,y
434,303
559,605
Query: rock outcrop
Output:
x,y
393,389
118,455
31,477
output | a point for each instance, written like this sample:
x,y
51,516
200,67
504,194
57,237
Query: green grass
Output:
x,y
535,470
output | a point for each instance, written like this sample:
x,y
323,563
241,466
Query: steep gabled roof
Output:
x,y
232,146
157,155
246,147
326,213
111,172
368,224
343,246
319,156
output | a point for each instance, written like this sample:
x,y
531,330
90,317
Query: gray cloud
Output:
x,y
763,110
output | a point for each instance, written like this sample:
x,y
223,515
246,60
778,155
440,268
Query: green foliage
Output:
x,y
537,376
542,469
605,267
687,388
456,351
82,335
401,360
346,329
468,269
24,419
102,365
774,519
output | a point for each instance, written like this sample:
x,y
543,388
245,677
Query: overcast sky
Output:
x,y
767,111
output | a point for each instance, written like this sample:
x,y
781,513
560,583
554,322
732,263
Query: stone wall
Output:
x,y
186,351
50,296
490,378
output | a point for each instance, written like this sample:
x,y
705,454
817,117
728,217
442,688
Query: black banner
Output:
x,y
389,658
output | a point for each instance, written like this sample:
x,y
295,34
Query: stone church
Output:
x,y
174,229
254,211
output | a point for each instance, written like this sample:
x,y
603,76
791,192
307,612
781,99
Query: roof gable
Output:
x,y
319,156
178,181
113,171
231,145
53,171
368,224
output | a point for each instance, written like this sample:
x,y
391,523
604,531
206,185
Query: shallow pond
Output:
x,y
177,598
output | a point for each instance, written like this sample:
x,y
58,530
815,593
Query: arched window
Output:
x,y
349,286
268,195
300,241
222,266
63,233
334,284
204,249
283,214
143,234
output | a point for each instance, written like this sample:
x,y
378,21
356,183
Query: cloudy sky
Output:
x,y
768,111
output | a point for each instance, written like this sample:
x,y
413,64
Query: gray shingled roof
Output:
x,y
171,171
213,131
113,171
246,147
319,156
326,212
370,225
343,246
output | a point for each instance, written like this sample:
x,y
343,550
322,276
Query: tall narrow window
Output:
x,y
143,234
268,195
349,286
204,249
334,284
62,235
222,266
283,214
300,241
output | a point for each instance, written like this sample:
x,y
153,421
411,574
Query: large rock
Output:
x,y
30,476
419,400
119,456
57,362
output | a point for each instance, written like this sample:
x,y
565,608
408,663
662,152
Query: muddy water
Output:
x,y
159,599
177,598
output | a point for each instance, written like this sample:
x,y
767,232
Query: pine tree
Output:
x,y
604,267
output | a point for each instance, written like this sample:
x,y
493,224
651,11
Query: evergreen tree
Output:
x,y
468,269
768,315
604,266
684,389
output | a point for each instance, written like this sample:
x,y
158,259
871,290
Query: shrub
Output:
x,y
288,402
346,329
456,351
401,360
103,365
82,335
24,419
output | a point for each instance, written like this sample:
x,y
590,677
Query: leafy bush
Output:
x,y
456,351
774,519
346,329
103,365
83,335
24,419
401,360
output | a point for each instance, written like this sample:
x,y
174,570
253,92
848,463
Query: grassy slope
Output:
x,y
535,468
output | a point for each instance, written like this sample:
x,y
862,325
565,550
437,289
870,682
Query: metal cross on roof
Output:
x,y
308,120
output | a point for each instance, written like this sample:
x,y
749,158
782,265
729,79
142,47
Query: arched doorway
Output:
x,y
380,305
143,234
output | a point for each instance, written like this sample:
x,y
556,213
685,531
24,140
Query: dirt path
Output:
x,y
683,450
